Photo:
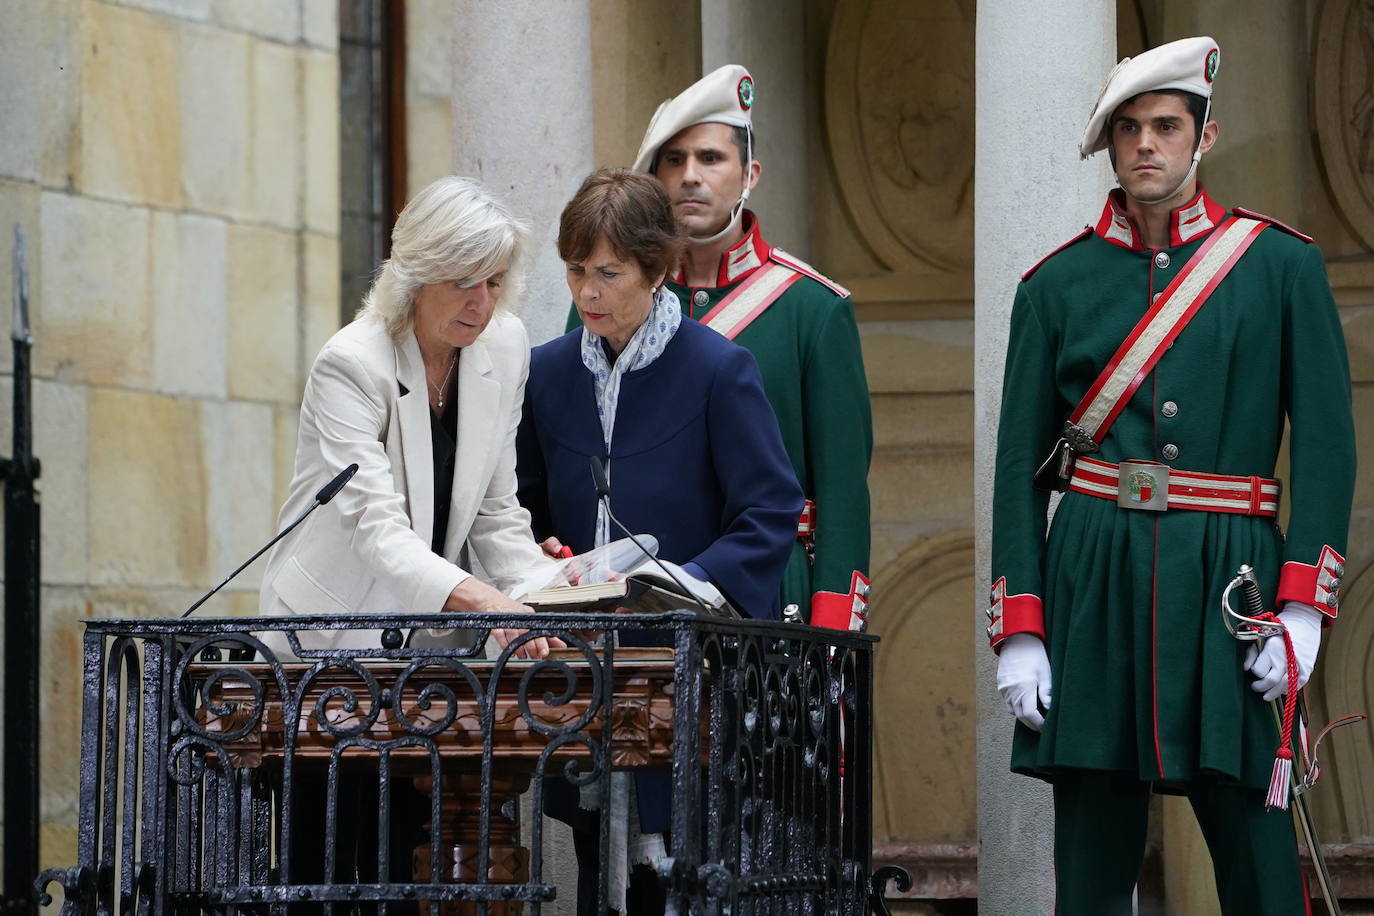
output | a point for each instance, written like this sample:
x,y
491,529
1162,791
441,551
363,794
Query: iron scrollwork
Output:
x,y
197,772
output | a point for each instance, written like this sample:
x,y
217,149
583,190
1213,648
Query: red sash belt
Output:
x,y
1186,489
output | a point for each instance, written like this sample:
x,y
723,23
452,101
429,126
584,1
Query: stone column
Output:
x,y
522,124
768,37
1039,69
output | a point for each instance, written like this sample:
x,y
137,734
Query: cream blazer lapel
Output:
x,y
417,448
479,413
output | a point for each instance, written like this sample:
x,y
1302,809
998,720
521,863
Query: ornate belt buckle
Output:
x,y
1143,485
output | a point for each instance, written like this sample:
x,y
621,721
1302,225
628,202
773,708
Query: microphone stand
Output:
x,y
327,492
603,493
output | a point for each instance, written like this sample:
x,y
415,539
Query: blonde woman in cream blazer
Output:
x,y
429,358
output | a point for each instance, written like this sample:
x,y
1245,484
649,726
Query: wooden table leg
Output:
x,y
460,806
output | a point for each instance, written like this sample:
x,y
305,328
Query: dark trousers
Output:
x,y
645,896
1100,822
355,841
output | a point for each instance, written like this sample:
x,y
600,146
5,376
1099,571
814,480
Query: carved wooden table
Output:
x,y
488,733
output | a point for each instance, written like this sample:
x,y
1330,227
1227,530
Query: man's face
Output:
x,y
702,171
1152,140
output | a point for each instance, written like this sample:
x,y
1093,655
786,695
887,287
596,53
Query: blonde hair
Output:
x,y
451,230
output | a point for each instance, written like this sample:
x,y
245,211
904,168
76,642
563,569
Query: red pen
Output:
x,y
565,553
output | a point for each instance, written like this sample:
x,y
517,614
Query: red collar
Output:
x,y
746,255
1193,219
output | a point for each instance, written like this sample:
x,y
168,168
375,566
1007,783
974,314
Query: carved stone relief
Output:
x,y
899,89
924,807
1343,108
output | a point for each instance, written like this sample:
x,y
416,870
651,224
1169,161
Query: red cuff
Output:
x,y
1319,586
842,612
1011,614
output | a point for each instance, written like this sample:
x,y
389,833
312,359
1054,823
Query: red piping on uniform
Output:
x,y
1116,206
1154,574
751,240
1214,212
1154,650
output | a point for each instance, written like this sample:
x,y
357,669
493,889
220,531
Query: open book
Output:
x,y
646,589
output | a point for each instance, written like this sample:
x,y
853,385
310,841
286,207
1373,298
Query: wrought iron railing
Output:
x,y
215,784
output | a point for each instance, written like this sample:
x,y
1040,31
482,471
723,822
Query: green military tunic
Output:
x,y
1146,678
807,347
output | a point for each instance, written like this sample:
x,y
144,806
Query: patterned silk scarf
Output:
x,y
645,346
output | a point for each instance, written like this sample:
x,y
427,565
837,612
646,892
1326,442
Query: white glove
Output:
x,y
1268,661
1023,678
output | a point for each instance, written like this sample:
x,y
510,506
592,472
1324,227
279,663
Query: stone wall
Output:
x,y
174,164
429,91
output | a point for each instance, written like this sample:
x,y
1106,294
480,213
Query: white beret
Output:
x,y
1189,64
723,96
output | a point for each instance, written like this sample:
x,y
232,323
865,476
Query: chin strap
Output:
x,y
738,209
735,213
1192,171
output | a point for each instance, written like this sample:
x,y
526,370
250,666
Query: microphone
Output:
x,y
327,492
603,494
603,487
331,489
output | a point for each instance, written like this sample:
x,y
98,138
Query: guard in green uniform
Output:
x,y
798,324
1114,657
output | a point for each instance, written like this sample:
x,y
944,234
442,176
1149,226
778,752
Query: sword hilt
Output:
x,y
1248,626
1249,590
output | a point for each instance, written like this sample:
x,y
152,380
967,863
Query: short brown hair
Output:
x,y
631,211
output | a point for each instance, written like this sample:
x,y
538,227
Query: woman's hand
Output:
x,y
472,594
554,548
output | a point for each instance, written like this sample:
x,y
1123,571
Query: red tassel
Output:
x,y
1279,780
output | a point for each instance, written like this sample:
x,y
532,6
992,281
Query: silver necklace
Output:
x,y
453,361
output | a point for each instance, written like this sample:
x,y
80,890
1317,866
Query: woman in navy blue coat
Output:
x,y
678,416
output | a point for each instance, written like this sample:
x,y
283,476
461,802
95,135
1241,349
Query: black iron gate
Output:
x,y
194,769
